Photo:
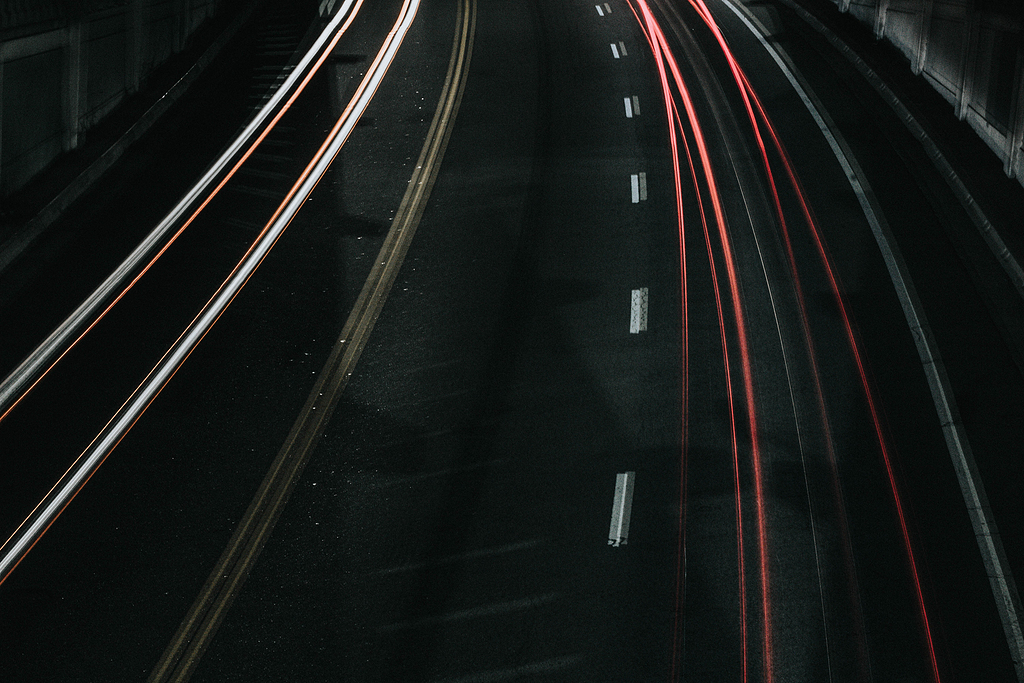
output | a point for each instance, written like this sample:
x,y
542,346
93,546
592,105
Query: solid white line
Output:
x,y
972,487
636,105
629,107
622,48
634,185
638,311
643,187
600,12
622,506
615,51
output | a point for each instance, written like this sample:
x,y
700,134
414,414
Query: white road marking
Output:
x,y
629,107
607,8
622,505
615,51
971,485
600,12
638,311
622,48
634,186
636,106
643,186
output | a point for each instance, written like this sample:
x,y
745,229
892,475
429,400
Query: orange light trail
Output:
x,y
389,44
213,193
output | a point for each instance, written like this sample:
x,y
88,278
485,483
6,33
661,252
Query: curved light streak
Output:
x,y
83,319
747,92
47,511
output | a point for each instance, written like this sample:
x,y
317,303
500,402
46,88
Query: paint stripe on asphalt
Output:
x,y
643,186
622,505
629,107
636,106
638,311
622,48
600,12
615,51
634,187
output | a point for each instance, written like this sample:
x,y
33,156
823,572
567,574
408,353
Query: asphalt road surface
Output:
x,y
639,401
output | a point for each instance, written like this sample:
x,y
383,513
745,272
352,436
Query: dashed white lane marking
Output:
x,y
622,505
629,107
643,187
622,48
607,8
600,12
638,311
634,187
615,51
636,106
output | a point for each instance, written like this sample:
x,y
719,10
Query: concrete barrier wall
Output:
x,y
65,64
972,52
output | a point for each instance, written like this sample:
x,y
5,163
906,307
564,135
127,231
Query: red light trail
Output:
x,y
666,63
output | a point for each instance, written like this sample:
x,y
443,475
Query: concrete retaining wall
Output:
x,y
972,52
64,64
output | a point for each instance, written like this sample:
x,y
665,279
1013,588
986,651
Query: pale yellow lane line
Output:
x,y
197,629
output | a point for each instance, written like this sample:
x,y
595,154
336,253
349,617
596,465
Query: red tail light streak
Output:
x,y
760,123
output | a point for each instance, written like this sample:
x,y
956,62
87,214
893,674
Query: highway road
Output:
x,y
625,341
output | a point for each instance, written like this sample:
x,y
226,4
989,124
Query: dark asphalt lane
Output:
x,y
457,510
451,524
967,325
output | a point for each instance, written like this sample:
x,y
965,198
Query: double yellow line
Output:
x,y
207,612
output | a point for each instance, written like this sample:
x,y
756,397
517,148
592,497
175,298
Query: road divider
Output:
x,y
622,507
633,109
638,311
638,187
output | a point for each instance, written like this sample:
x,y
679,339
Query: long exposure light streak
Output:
x,y
748,93
750,101
868,393
63,492
663,58
672,116
23,379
